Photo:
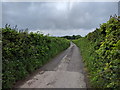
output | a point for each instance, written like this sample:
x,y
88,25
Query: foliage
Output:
x,y
101,53
25,52
72,37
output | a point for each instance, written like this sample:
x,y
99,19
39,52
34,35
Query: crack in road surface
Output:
x,y
65,71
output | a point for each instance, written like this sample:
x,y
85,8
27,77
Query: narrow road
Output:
x,y
64,71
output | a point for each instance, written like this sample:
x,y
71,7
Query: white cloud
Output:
x,y
60,0
81,32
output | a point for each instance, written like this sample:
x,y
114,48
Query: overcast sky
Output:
x,y
58,19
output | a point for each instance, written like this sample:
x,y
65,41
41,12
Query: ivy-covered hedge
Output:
x,y
101,53
24,52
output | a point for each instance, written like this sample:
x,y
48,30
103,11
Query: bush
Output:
x,y
101,53
25,52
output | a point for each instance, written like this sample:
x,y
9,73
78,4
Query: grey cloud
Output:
x,y
55,16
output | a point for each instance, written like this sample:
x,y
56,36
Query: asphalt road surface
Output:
x,y
65,71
